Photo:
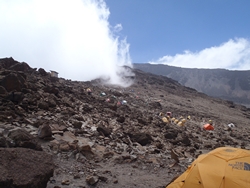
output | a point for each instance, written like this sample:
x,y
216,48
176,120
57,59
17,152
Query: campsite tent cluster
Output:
x,y
224,167
182,121
109,99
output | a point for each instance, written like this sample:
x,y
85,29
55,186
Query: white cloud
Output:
x,y
234,55
118,28
73,38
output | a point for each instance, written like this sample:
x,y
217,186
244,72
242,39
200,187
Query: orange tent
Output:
x,y
208,127
224,167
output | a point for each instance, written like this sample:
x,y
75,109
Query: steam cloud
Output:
x,y
73,38
233,55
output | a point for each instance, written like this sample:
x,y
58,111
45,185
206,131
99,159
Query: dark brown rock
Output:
x,y
171,134
155,105
22,138
20,67
42,72
141,138
7,62
77,124
121,119
13,82
105,131
51,89
3,142
43,105
21,167
15,97
3,91
44,131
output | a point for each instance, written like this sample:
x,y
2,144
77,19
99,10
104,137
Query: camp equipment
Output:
x,y
89,91
224,167
102,94
124,102
208,127
182,123
176,121
169,114
165,120
231,125
173,119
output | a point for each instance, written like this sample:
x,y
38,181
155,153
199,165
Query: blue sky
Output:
x,y
166,27
86,39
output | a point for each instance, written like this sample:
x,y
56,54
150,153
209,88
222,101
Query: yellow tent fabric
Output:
x,y
224,167
176,121
165,120
181,123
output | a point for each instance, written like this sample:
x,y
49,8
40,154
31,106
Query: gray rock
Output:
x,y
91,180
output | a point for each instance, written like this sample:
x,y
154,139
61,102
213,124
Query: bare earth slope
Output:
x,y
97,142
222,83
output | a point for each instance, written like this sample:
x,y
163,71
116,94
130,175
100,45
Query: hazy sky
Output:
x,y
85,39
191,33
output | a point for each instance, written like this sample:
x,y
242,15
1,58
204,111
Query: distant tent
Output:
x,y
165,120
208,127
124,102
182,122
231,125
169,114
176,121
102,94
89,91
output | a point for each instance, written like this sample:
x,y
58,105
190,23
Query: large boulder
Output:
x,y
7,62
141,138
42,72
44,131
21,167
22,138
20,67
3,91
13,82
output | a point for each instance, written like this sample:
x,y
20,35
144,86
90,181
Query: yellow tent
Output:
x,y
173,119
165,120
224,167
176,121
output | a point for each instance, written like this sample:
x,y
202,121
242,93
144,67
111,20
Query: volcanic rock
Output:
x,y
21,167
44,131
91,136
22,138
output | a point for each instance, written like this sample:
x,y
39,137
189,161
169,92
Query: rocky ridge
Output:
x,y
230,85
113,137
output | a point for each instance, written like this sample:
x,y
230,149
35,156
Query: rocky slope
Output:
x,y
222,83
114,137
